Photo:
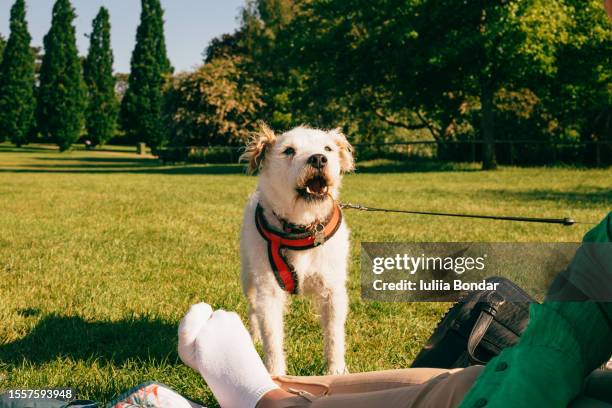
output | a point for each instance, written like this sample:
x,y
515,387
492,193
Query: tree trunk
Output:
x,y
440,150
487,126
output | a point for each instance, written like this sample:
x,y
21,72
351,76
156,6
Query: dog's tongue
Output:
x,y
317,185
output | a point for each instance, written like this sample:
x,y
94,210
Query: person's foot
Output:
x,y
189,328
218,345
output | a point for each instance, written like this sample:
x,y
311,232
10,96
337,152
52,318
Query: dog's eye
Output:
x,y
328,149
290,151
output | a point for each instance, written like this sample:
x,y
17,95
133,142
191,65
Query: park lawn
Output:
x,y
101,253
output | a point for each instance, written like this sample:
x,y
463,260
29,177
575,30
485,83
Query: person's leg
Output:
x,y
218,346
445,390
359,382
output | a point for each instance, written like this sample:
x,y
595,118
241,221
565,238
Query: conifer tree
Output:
x,y
142,115
101,114
62,93
17,101
2,45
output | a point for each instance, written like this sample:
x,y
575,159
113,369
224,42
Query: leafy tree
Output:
x,y
265,58
431,56
62,97
226,45
17,102
142,115
216,104
580,94
513,42
101,115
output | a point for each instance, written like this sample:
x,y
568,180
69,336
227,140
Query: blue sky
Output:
x,y
190,25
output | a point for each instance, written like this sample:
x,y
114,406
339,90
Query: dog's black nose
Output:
x,y
318,161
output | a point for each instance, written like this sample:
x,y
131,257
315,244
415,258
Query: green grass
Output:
x,y
101,253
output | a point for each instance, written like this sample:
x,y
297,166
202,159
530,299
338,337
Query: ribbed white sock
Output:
x,y
218,345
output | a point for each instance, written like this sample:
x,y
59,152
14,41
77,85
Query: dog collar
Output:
x,y
290,227
278,241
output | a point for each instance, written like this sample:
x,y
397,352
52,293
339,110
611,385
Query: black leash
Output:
x,y
568,222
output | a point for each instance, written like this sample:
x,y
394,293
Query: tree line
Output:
x,y
401,70
397,70
67,97
383,70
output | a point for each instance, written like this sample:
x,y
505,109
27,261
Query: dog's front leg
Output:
x,y
253,320
270,311
333,307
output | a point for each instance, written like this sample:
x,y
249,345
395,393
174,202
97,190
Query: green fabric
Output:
x,y
563,343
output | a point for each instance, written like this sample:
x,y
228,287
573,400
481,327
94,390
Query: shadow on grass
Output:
x,y
147,165
74,148
108,342
136,161
111,149
26,149
591,196
126,169
419,166
93,166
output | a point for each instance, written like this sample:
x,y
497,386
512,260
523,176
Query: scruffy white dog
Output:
x,y
293,237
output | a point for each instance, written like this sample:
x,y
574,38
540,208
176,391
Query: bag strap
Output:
x,y
487,315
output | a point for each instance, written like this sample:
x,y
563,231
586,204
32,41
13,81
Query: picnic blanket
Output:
x,y
147,395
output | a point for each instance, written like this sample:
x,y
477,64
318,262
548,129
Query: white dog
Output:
x,y
293,237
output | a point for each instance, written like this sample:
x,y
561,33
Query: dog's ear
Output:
x,y
258,146
347,162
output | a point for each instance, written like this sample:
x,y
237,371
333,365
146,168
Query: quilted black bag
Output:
x,y
477,327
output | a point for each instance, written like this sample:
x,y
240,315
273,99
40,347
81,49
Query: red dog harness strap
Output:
x,y
278,240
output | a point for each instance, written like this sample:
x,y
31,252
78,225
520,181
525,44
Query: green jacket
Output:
x,y
562,344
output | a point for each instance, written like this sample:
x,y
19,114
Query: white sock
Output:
x,y
218,345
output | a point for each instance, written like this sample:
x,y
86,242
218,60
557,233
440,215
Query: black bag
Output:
x,y
477,327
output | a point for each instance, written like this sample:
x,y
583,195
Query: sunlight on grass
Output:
x,y
102,253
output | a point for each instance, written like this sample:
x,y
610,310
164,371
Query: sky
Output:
x,y
190,25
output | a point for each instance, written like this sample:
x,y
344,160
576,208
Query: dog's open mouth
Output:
x,y
314,188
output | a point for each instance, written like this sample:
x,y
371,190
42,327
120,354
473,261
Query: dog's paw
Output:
x,y
189,328
338,369
255,335
275,365
277,372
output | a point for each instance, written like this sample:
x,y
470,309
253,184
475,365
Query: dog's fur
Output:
x,y
321,271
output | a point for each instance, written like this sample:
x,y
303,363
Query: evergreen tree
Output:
x,y
2,45
98,69
141,111
62,93
17,80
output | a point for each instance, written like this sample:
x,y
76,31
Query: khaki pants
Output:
x,y
412,387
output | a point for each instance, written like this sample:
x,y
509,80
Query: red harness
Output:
x,y
277,240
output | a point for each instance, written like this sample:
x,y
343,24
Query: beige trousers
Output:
x,y
410,388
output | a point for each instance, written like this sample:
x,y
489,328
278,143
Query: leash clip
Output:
x,y
352,206
319,234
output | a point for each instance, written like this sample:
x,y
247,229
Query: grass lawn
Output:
x,y
101,253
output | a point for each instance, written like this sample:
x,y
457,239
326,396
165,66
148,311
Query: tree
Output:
x,y
580,93
422,60
226,45
142,115
17,102
264,55
2,45
62,97
101,114
217,104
